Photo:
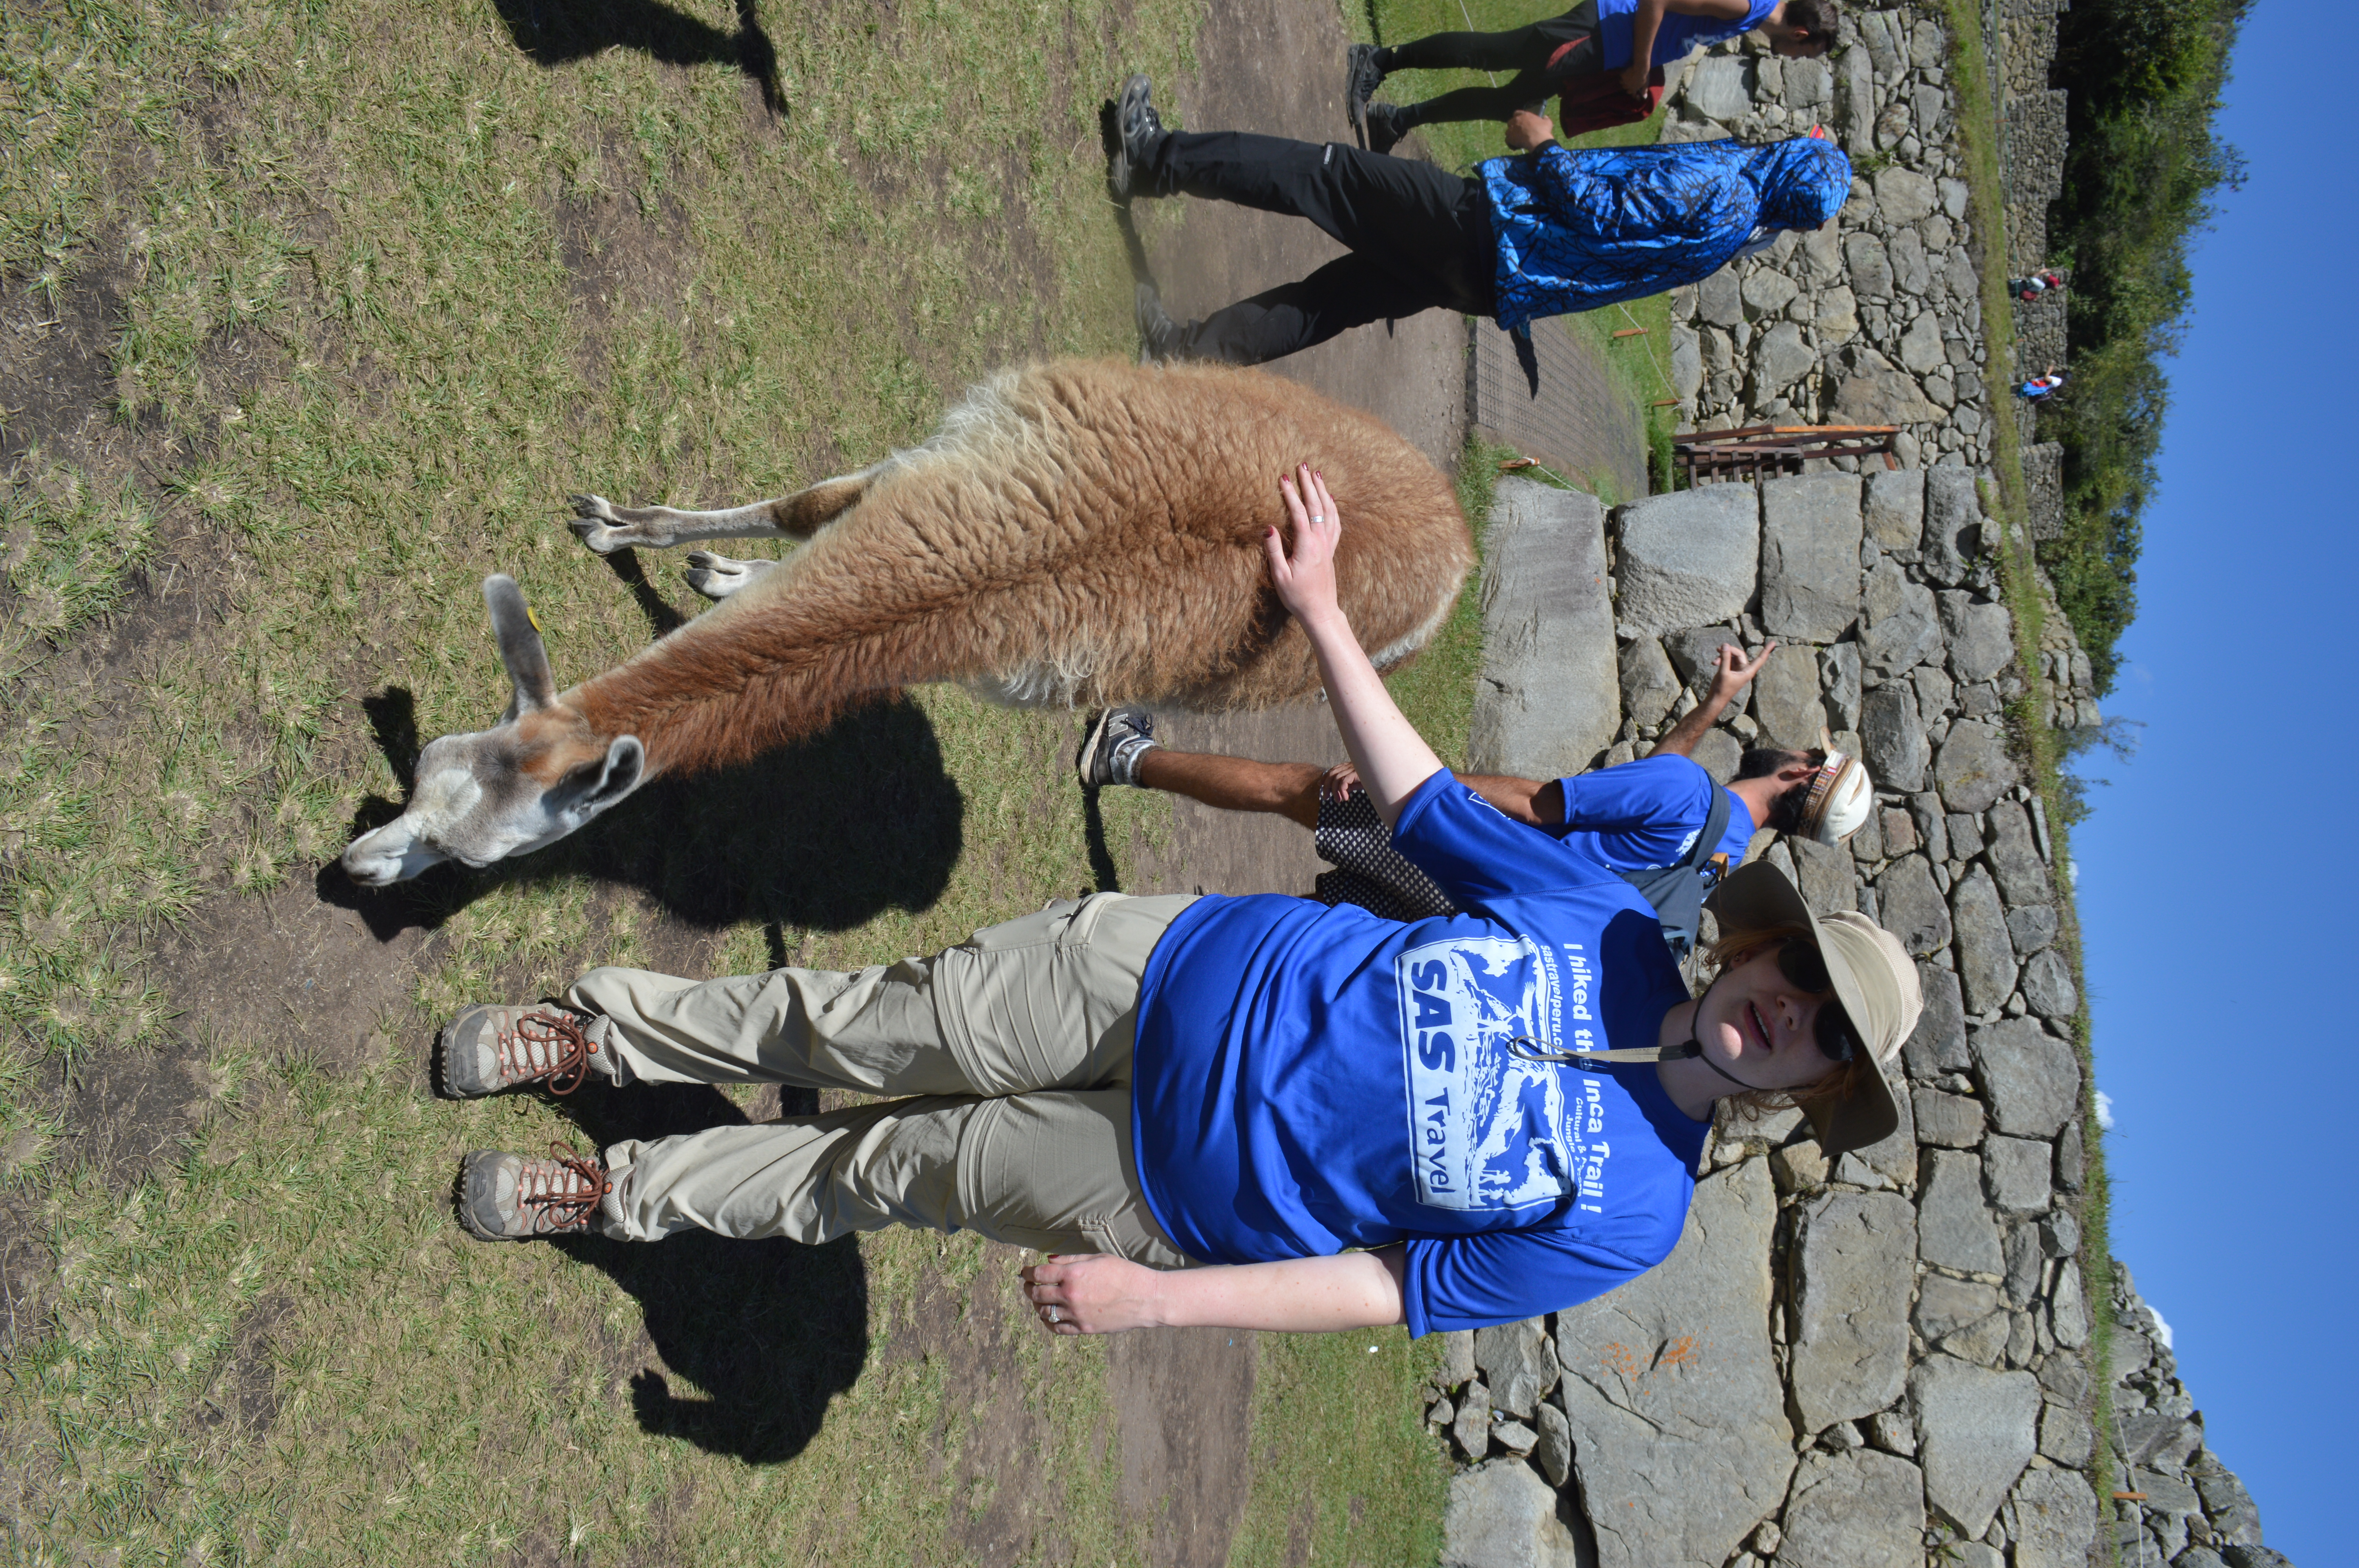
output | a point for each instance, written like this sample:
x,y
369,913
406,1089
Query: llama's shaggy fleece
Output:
x,y
1076,533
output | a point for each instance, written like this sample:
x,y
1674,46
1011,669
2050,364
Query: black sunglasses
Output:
x,y
1805,968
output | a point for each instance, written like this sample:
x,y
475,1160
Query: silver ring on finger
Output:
x,y
1318,517
1053,1317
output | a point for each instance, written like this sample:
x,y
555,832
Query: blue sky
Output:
x,y
2213,897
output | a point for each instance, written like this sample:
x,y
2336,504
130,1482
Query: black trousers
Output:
x,y
1524,50
1420,237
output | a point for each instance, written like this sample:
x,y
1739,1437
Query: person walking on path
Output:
x,y
2036,287
1537,235
1244,1112
1659,821
1629,42
2045,384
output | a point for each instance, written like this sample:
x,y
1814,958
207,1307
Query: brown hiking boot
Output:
x,y
514,1197
490,1047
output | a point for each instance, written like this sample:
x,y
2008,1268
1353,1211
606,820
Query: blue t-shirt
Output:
x,y
1674,37
1310,1079
1639,817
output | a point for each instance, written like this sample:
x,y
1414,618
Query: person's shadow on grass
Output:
x,y
760,1334
558,32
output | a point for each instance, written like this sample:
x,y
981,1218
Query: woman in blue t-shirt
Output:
x,y
1631,40
1252,1112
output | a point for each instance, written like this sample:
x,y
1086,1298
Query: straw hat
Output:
x,y
1841,794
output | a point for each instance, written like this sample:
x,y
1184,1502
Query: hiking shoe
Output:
x,y
1110,756
488,1048
1361,77
1139,133
1160,337
514,1197
1383,127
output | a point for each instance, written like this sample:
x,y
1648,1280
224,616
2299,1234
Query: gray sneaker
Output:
x,y
1138,131
491,1047
1110,755
514,1197
1160,339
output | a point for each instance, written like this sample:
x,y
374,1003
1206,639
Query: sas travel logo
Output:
x,y
1491,1131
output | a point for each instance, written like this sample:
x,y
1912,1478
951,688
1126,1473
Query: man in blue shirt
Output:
x,y
1630,40
1243,1112
1543,234
1640,816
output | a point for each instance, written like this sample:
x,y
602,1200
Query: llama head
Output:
x,y
539,775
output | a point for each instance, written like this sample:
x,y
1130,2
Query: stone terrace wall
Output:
x,y
1882,1361
2195,1513
1877,320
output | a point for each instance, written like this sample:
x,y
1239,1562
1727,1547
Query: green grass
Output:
x,y
2042,748
389,290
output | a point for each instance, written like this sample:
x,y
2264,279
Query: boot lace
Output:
x,y
551,1045
563,1191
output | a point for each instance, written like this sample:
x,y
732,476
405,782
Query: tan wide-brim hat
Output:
x,y
1875,980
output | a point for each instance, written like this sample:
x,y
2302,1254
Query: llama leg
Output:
x,y
718,577
606,527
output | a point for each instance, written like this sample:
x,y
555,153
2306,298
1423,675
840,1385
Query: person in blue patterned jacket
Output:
x,y
1545,234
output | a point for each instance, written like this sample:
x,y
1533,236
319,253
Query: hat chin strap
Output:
x,y
1692,1048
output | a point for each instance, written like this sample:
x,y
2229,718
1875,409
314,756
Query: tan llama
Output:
x,y
1075,534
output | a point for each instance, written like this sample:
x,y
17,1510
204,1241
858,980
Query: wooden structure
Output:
x,y
1763,451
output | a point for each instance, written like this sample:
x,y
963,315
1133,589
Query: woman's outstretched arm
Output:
x,y
1391,756
1098,1293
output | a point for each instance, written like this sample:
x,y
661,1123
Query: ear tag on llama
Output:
x,y
528,615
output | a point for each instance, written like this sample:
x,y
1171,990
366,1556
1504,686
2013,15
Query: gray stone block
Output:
x,y
1690,558
2018,1174
1679,1456
1920,346
1954,1227
1903,195
1786,698
2031,1081
1721,87
1502,1514
1870,270
1838,685
1849,1325
2013,855
1551,697
2051,1518
1554,1454
2031,926
2068,1313
1893,736
1953,526
1780,357
1694,654
1975,1430
2064,1435
1945,1305
1718,301
1948,1121
1649,685
1985,954
1861,1509
1718,752
1518,1364
1471,1425
1827,875
1810,557
1871,390
1912,909
1972,769
2047,988
1900,620
1896,508
1981,636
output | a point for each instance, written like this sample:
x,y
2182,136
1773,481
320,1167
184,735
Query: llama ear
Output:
x,y
520,649
593,787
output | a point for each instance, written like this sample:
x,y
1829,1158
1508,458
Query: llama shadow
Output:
x,y
559,32
770,1331
825,834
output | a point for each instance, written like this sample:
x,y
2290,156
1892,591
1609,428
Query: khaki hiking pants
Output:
x,y
1012,1052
